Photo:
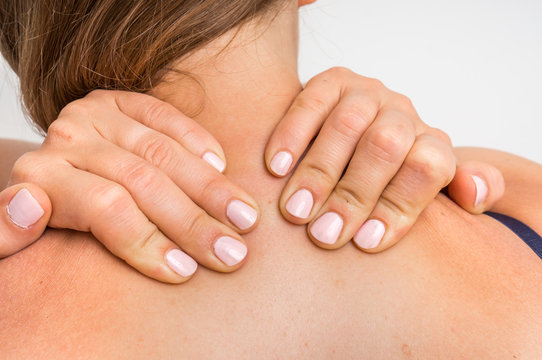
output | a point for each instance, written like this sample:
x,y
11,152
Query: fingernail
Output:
x,y
23,210
370,234
214,161
327,228
481,189
281,163
181,263
241,215
300,204
229,250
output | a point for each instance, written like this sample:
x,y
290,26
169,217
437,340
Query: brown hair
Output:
x,y
63,49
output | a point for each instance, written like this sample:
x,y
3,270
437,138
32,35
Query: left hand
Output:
x,y
373,167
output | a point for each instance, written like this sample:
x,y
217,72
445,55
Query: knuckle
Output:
x,y
159,151
399,207
388,144
155,110
109,199
189,134
312,104
339,71
146,241
61,131
98,93
100,97
353,120
374,83
77,107
141,176
433,163
195,225
214,188
24,167
403,100
405,105
349,194
319,171
439,134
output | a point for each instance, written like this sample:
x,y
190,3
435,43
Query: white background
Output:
x,y
472,68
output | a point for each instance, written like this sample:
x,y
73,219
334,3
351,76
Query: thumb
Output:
x,y
476,187
25,210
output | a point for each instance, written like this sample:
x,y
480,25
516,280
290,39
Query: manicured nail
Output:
x,y
370,234
23,210
214,161
300,204
481,189
327,228
241,215
229,250
281,163
181,263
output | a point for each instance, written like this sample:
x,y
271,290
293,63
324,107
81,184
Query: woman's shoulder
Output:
x,y
523,180
454,276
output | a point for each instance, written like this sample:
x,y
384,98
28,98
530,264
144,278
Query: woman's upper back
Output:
x,y
457,285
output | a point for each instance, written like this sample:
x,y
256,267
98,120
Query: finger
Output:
x,y
152,113
378,157
303,121
476,186
106,210
208,241
25,213
322,167
429,167
211,190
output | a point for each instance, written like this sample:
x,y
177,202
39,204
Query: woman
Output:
x,y
453,277
360,111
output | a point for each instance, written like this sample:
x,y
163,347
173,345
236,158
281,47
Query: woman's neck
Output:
x,y
239,86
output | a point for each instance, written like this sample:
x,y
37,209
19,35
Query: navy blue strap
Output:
x,y
528,235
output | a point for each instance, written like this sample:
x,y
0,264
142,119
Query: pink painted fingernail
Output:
x,y
241,214
481,189
370,234
214,161
181,263
300,204
327,228
23,210
229,250
281,163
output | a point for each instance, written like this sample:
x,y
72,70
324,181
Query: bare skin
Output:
x,y
11,151
373,167
457,285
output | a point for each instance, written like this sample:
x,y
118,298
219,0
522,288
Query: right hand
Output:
x,y
136,173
